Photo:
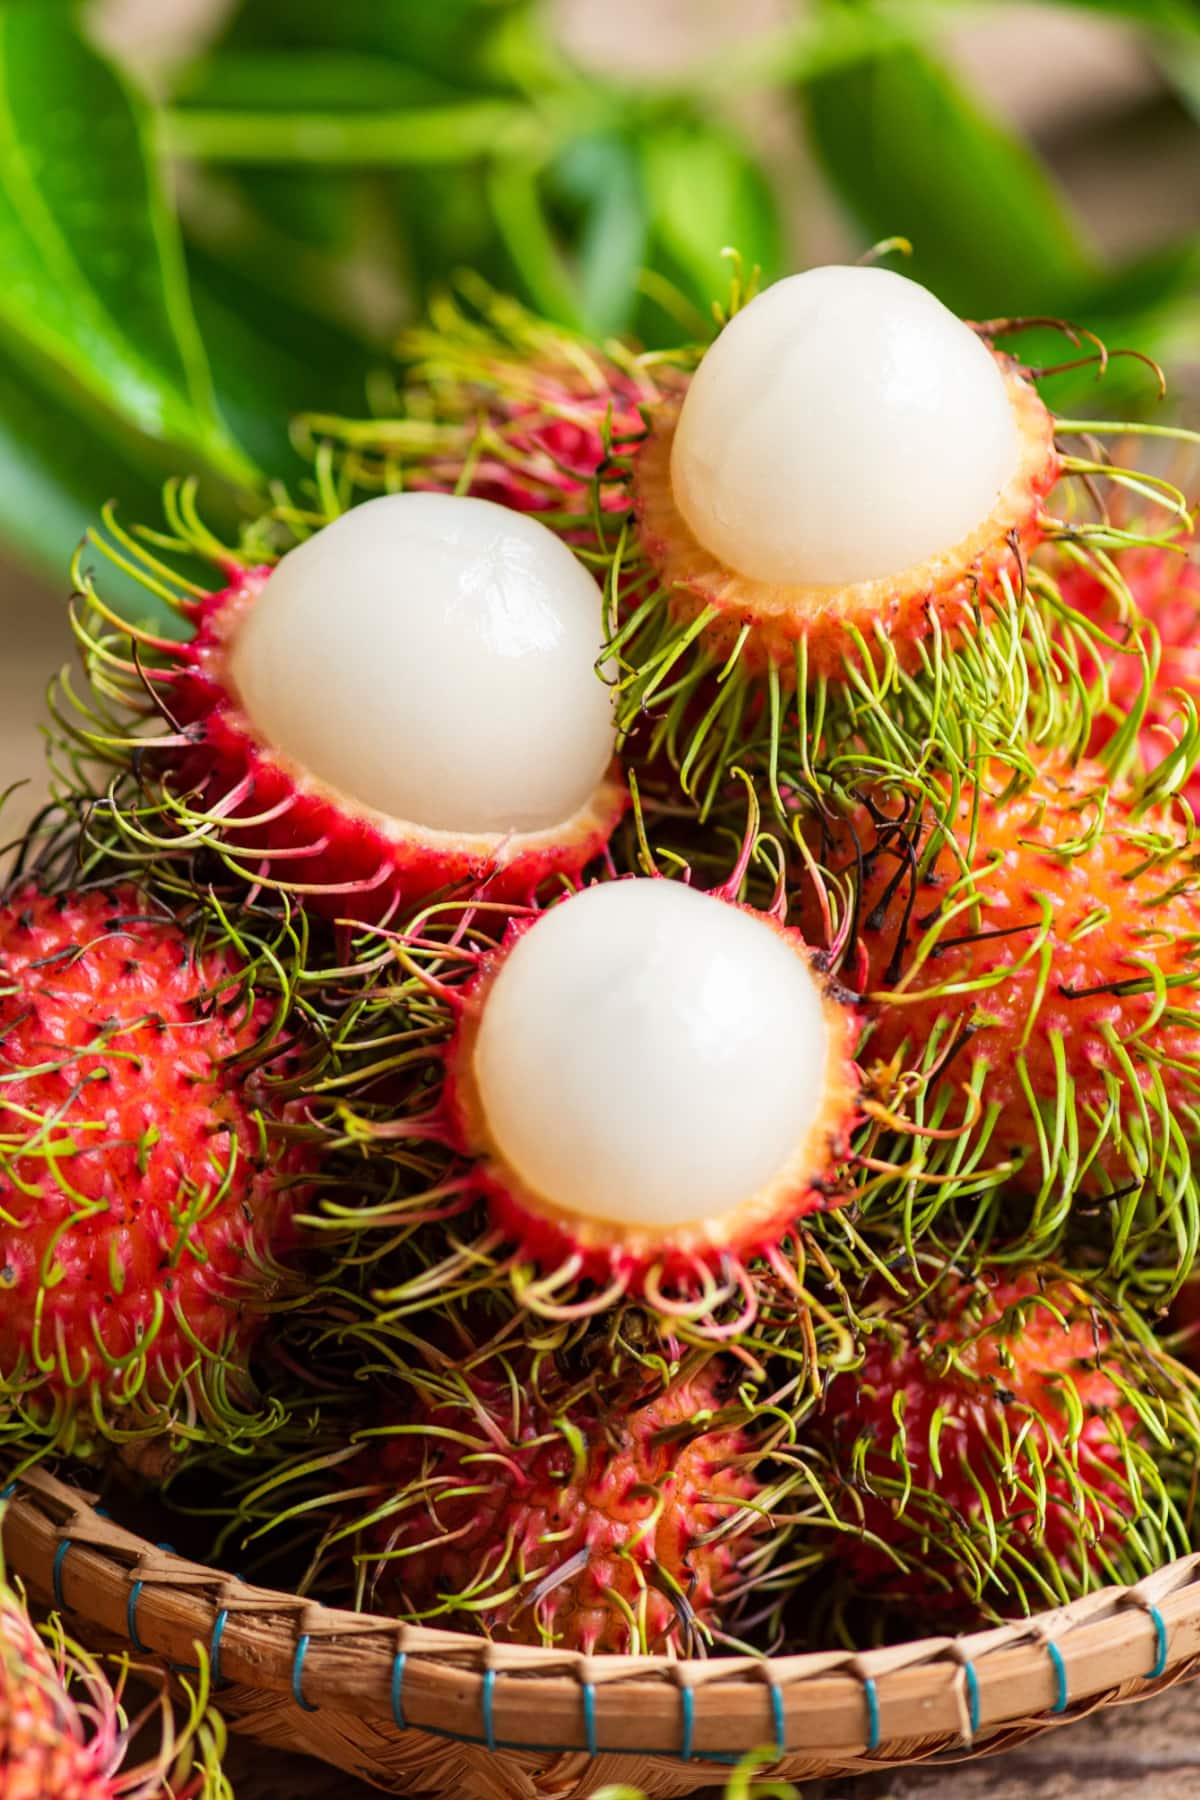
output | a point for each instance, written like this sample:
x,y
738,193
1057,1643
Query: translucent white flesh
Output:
x,y
844,426
433,657
650,1055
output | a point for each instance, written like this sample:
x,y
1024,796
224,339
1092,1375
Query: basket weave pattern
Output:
x,y
422,1711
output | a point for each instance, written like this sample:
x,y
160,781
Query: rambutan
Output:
x,y
1008,1442
407,702
496,1497
646,1086
147,1177
1040,952
503,405
1164,582
64,1734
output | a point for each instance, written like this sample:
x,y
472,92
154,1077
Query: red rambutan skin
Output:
x,y
343,860
947,590
1041,887
550,1237
1165,585
986,1391
45,1751
120,1118
557,1522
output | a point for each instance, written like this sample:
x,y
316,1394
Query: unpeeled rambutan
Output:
x,y
1008,1442
1164,583
501,403
494,1497
147,1180
408,701
1042,953
64,1734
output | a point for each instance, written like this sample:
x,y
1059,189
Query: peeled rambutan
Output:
x,y
147,1180
1008,1442
65,1736
834,554
1040,952
653,1084
1164,583
537,1517
407,702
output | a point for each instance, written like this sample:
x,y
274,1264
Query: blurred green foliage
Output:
x,y
184,272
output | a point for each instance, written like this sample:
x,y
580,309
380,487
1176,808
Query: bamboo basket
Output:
x,y
417,1711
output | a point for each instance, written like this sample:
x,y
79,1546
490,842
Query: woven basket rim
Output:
x,y
1116,1643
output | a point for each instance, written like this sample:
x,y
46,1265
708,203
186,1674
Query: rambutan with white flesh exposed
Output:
x,y
818,536
408,701
1028,948
152,1156
65,1734
646,1087
1008,1442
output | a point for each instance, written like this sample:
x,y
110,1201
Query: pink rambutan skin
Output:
x,y
45,1751
640,1496
344,861
618,1254
1165,585
134,1173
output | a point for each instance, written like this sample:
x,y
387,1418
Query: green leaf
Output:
x,y
453,39
431,134
329,80
93,272
273,359
911,154
597,184
706,193
57,469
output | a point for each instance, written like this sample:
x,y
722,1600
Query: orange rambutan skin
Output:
x,y
944,593
1165,585
997,1376
1074,921
132,1167
623,1511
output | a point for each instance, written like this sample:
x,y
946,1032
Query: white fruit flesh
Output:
x,y
650,1055
433,657
844,427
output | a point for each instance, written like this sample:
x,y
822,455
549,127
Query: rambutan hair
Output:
x,y
1025,944
187,772
64,1730
154,1145
715,670
1008,1441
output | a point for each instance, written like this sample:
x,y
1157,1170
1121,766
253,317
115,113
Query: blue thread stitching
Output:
x,y
589,1718
1160,1631
298,1675
489,1724
972,1696
60,1557
399,1663
1060,1675
777,1715
135,1594
214,1654
687,1701
871,1694
9,1491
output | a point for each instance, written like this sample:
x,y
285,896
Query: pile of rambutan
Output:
x,y
599,1044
